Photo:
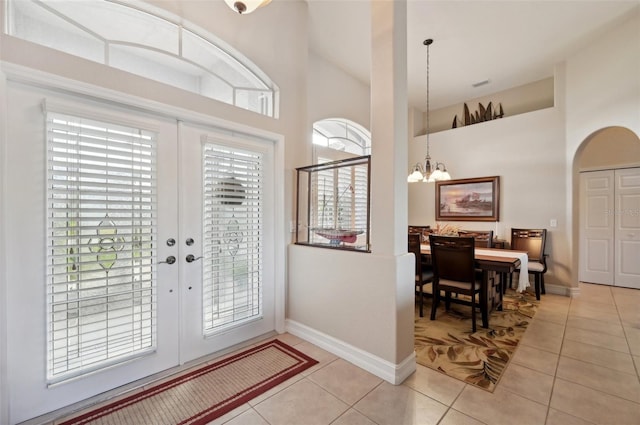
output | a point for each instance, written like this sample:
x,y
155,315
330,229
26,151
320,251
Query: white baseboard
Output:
x,y
562,290
392,373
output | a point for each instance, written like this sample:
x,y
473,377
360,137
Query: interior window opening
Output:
x,y
339,138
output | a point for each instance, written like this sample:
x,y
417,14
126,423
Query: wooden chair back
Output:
x,y
453,258
531,240
483,238
424,232
415,239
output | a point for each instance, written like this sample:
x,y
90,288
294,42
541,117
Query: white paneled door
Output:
x,y
138,243
627,228
597,227
610,227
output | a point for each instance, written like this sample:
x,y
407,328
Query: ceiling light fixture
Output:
x,y
246,6
480,83
425,173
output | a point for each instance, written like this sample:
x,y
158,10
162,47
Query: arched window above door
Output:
x,y
142,42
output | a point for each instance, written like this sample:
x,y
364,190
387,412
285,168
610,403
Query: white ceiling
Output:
x,y
508,42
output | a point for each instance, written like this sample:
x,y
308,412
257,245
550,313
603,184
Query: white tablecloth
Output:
x,y
523,281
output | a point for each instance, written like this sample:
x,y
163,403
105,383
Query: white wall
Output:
x,y
333,93
4,396
602,90
527,152
613,147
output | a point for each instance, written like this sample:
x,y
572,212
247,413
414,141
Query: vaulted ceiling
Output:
x,y
508,43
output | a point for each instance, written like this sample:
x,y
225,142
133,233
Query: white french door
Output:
x,y
120,263
227,223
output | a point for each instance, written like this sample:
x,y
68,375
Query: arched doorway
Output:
x,y
608,215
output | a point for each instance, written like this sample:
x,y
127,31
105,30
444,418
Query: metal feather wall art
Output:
x,y
482,114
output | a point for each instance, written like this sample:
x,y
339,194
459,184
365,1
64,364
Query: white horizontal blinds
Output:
x,y
345,198
360,185
233,241
349,211
101,226
325,195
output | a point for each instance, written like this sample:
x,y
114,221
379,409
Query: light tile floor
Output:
x,y
578,363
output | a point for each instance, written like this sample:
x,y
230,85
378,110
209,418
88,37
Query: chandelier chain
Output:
x,y
428,106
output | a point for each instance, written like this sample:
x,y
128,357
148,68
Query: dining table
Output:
x,y
502,262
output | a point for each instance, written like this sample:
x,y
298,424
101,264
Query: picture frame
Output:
x,y
475,199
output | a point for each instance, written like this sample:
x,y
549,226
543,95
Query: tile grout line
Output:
x,y
626,336
555,373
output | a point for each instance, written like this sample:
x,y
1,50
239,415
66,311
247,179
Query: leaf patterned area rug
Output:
x,y
448,345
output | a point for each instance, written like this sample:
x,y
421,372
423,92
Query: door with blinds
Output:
x,y
227,222
138,244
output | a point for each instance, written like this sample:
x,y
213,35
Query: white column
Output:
x,y
389,146
389,126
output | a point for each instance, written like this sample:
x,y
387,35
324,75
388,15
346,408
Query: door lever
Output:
x,y
170,260
191,258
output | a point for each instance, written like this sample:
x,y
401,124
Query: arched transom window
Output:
x,y
341,135
142,42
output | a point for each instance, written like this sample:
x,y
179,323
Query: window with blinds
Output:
x,y
232,228
101,225
350,192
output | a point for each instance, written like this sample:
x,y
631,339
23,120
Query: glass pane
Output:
x,y
333,204
215,88
256,101
344,135
219,62
101,226
38,25
232,263
156,66
116,22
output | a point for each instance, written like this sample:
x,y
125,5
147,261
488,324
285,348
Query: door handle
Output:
x,y
170,260
191,258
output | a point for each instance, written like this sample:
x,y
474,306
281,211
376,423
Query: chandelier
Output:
x,y
427,172
246,6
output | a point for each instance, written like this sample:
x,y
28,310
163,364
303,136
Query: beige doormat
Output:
x,y
202,395
448,346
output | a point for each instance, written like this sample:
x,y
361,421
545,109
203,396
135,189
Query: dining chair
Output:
x,y
423,272
424,231
533,241
454,272
482,238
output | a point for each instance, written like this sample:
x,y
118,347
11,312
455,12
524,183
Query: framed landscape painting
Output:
x,y
476,199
